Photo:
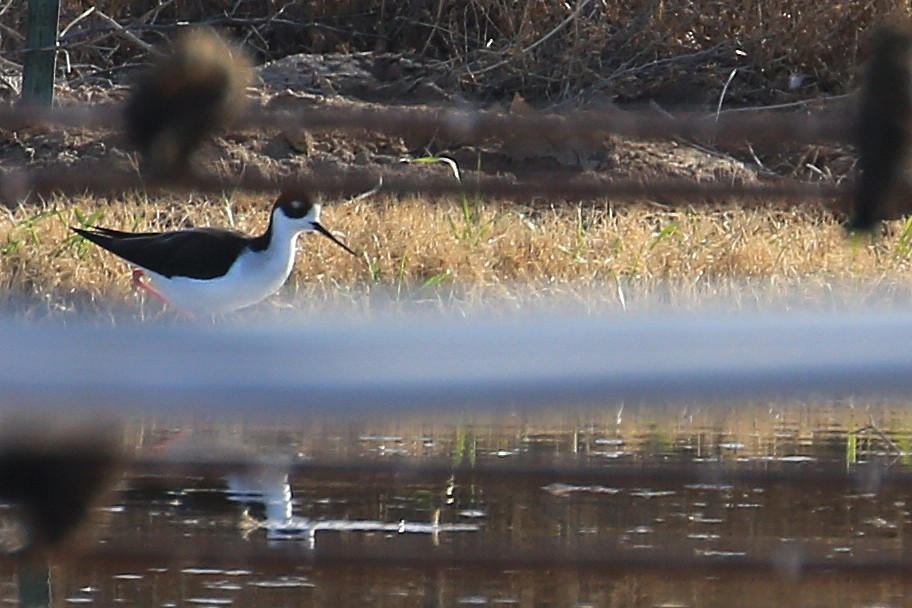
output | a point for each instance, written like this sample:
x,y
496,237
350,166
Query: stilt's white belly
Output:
x,y
254,277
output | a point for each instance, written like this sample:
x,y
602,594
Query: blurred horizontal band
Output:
x,y
587,476
474,126
104,180
405,365
417,553
574,131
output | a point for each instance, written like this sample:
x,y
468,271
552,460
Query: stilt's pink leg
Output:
x,y
138,276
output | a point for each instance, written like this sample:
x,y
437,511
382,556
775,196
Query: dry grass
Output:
x,y
466,253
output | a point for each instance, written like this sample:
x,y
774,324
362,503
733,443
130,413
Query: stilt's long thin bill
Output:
x,y
319,228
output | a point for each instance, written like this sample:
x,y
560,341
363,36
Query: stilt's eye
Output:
x,y
296,208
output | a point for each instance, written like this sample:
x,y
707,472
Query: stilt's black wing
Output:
x,y
197,253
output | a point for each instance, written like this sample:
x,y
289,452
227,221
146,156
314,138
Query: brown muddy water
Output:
x,y
755,505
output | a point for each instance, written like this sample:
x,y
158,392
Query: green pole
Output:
x,y
40,53
34,583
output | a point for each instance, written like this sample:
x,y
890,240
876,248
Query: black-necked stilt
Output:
x,y
216,270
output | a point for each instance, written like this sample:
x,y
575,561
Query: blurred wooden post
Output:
x,y
41,52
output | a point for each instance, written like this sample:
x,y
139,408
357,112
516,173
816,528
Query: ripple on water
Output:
x,y
222,586
282,582
202,571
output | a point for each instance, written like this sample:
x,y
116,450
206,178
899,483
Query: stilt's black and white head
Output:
x,y
296,212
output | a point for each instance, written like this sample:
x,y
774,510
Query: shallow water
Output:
x,y
763,505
